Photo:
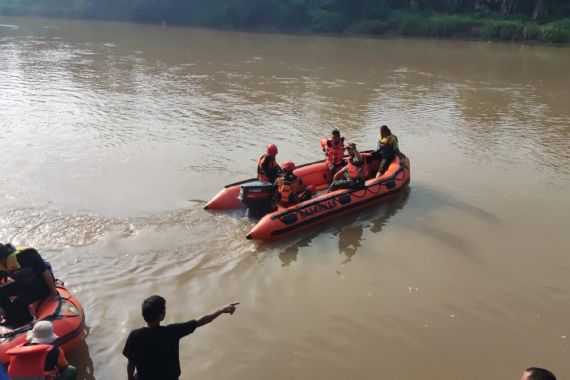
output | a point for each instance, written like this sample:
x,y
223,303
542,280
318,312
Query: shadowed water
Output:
x,y
115,135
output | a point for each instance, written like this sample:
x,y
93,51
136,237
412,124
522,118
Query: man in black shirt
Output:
x,y
32,281
153,350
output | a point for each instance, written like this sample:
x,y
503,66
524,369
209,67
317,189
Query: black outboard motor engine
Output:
x,y
258,197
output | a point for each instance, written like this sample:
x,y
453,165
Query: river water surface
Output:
x,y
114,135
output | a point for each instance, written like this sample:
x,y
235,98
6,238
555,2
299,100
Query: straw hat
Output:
x,y
42,333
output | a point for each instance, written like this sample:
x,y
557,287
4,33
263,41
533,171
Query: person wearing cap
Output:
x,y
153,351
32,281
387,149
353,175
267,167
288,186
39,358
333,148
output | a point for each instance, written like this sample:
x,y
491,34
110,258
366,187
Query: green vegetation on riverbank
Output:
x,y
509,20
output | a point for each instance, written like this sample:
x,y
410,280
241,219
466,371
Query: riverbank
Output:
x,y
485,25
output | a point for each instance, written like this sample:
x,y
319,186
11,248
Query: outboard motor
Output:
x,y
258,197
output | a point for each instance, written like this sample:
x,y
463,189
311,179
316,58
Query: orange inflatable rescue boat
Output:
x,y
66,314
282,221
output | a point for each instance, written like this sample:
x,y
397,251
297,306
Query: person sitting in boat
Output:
x,y
387,149
333,148
38,358
353,175
32,281
267,167
288,186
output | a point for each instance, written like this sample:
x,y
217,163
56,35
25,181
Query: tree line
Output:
x,y
546,20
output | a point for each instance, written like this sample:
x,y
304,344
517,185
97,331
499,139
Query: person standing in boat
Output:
x,y
333,148
153,351
267,167
387,149
353,175
39,358
32,281
288,186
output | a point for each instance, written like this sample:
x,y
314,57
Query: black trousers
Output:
x,y
16,310
347,184
384,161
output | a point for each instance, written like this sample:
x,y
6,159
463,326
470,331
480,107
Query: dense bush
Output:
x,y
328,21
556,32
506,30
370,27
451,25
408,24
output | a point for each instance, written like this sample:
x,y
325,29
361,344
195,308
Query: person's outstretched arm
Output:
x,y
227,309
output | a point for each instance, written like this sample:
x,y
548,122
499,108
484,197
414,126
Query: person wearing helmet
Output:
x,y
32,281
38,357
353,175
267,167
288,186
333,148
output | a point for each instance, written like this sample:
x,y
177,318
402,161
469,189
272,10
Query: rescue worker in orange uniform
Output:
x,y
267,167
333,147
39,358
288,186
353,175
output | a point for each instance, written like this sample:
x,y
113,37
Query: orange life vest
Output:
x,y
288,188
261,174
335,152
29,361
357,172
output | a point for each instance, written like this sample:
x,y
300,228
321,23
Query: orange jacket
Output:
x,y
30,360
334,152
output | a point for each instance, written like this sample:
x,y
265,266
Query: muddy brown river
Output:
x,y
114,135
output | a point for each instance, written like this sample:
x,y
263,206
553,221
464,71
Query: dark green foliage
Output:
x,y
556,32
409,24
505,30
451,26
370,27
509,20
329,21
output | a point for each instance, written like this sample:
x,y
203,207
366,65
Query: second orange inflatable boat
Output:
x,y
286,221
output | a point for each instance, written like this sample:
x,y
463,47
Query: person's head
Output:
x,y
154,309
535,373
288,166
351,149
385,131
272,150
42,333
335,136
5,250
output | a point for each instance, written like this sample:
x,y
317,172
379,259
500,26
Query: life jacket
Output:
x,y
28,362
357,172
335,152
21,275
288,187
273,169
386,146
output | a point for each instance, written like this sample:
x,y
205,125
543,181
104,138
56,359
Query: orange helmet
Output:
x,y
288,166
272,150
